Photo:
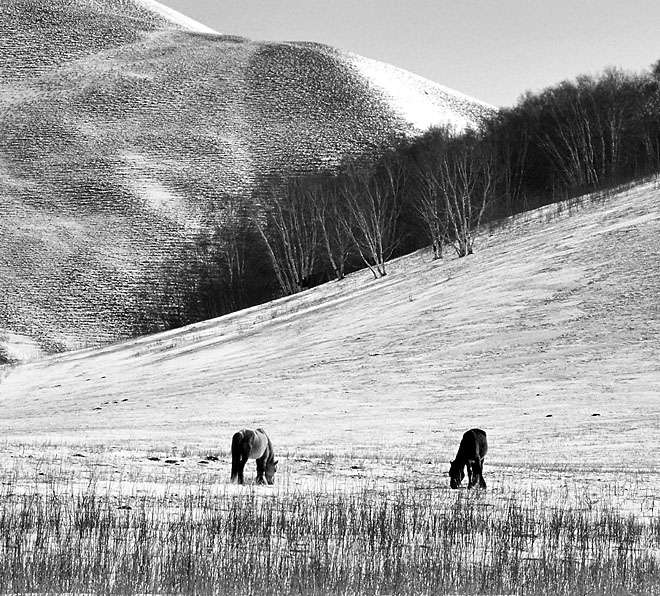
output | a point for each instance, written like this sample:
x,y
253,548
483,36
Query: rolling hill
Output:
x,y
127,130
548,336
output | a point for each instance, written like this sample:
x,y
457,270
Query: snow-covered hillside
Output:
x,y
548,336
127,131
419,101
175,17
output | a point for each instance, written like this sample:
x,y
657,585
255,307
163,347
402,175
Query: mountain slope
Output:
x,y
126,131
548,336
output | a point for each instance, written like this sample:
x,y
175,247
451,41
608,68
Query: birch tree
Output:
x,y
286,223
331,216
372,196
467,182
429,200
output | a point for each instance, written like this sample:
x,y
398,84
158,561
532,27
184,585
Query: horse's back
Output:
x,y
474,443
238,440
251,442
259,444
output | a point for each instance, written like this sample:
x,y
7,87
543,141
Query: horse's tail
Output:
x,y
236,454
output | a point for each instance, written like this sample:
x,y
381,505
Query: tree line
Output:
x,y
297,231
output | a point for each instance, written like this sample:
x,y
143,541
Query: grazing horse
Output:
x,y
252,444
471,453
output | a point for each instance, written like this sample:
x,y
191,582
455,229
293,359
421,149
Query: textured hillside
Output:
x,y
124,132
548,336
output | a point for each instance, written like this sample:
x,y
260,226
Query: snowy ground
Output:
x,y
548,337
421,102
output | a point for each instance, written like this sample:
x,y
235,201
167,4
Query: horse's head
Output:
x,y
456,474
269,472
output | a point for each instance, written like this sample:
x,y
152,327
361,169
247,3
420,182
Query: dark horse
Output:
x,y
252,444
471,453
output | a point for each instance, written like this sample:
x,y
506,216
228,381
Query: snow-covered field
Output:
x,y
548,337
116,461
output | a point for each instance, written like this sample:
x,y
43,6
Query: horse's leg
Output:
x,y
477,478
238,457
235,467
241,467
470,473
261,468
482,482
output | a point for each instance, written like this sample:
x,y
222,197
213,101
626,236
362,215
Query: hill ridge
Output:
x,y
176,17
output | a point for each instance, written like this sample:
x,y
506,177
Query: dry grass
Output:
x,y
197,536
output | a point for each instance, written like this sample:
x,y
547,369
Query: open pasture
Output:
x,y
116,464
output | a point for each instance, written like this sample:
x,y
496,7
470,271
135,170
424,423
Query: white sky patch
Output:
x,y
422,102
176,17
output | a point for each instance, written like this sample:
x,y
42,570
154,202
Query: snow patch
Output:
x,y
161,201
142,174
421,101
631,223
19,348
176,17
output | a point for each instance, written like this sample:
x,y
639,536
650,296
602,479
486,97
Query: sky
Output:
x,y
493,50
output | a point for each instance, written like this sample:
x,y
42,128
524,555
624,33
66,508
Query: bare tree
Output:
x,y
287,225
509,135
570,139
429,201
330,214
467,183
372,196
222,255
